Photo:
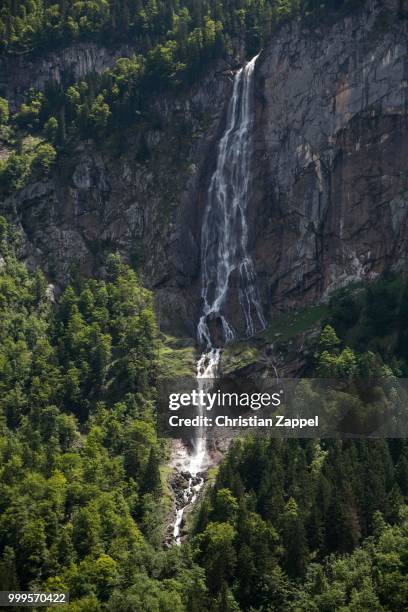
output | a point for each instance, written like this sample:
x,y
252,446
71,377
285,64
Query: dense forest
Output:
x,y
280,526
183,27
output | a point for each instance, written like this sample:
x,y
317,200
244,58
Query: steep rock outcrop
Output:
x,y
330,198
141,192
20,72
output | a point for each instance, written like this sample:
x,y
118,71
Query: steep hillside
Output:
x,y
204,196
331,98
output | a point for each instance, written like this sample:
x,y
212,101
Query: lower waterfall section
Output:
x,y
197,461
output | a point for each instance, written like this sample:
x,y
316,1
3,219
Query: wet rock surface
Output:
x,y
182,485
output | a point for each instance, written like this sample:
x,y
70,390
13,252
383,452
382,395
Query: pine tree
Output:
x,y
328,340
295,547
152,480
8,573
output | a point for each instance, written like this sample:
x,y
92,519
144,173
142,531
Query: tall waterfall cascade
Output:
x,y
224,238
224,252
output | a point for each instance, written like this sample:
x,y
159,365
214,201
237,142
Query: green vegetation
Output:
x,y
281,511
238,356
375,318
287,325
373,577
301,524
34,160
4,111
83,498
282,328
183,29
176,358
284,525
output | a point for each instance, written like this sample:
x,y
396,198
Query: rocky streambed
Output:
x,y
187,487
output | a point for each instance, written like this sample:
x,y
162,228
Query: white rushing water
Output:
x,y
197,461
224,251
224,238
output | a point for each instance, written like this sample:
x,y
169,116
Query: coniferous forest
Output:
x,y
86,502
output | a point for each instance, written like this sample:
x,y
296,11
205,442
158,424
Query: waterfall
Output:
x,y
224,237
207,367
224,251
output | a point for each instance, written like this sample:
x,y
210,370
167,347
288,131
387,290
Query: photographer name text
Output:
x,y
252,421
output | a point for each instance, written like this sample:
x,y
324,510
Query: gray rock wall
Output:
x,y
139,192
330,173
20,72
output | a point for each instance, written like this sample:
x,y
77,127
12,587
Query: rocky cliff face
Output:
x,y
330,173
20,72
141,193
